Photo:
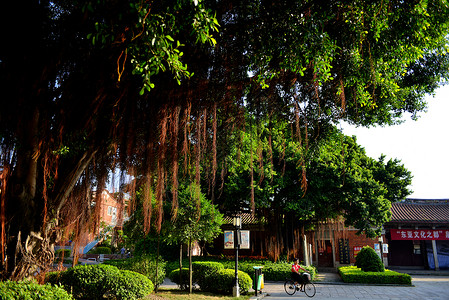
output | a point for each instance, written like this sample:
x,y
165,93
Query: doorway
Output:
x,y
406,253
325,256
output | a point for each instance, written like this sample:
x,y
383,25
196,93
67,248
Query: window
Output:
x,y
416,249
109,210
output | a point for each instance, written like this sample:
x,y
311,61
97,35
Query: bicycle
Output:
x,y
307,287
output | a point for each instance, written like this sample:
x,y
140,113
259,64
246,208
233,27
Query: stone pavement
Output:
x,y
425,285
431,286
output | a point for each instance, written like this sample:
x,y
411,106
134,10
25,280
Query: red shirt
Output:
x,y
295,268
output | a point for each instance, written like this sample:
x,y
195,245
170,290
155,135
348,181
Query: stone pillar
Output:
x,y
305,250
435,254
332,238
310,254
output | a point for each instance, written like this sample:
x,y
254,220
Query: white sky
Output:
x,y
422,146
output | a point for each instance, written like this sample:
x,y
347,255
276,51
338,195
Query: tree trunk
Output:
x,y
28,248
180,265
190,265
30,228
157,263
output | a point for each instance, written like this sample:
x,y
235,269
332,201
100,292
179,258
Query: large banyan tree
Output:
x,y
155,88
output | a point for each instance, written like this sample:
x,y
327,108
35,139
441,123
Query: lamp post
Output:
x,y
237,240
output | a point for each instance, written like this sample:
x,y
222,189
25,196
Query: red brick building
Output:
x,y
330,246
336,248
416,237
112,211
112,216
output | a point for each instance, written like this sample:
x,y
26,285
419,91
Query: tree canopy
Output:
x,y
341,179
197,220
146,86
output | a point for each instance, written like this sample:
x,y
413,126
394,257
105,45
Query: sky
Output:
x,y
422,146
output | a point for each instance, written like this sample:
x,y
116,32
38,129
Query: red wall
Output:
x,y
354,241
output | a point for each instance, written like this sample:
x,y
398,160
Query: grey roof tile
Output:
x,y
420,211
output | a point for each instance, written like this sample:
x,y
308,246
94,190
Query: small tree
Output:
x,y
197,220
369,261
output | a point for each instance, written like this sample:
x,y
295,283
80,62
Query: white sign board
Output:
x,y
229,239
245,239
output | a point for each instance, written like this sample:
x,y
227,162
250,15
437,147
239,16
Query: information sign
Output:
x,y
419,234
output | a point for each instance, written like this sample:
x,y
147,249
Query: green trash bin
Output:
x,y
258,279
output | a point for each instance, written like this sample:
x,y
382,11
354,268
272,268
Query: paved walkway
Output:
x,y
426,285
431,286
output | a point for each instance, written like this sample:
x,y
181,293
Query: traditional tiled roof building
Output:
x,y
418,234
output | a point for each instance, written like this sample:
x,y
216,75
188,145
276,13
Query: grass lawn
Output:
x,y
176,294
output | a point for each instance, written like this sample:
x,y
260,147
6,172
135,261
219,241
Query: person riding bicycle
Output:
x,y
296,275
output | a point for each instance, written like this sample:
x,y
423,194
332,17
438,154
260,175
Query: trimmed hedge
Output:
x,y
368,260
87,281
130,285
145,265
102,281
62,253
212,277
353,274
222,281
273,271
27,290
53,277
174,276
100,250
203,269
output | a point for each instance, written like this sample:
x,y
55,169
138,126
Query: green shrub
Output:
x,y
53,277
130,285
145,265
203,269
174,264
100,281
223,281
100,250
353,274
107,243
27,290
273,271
89,281
174,276
368,260
119,263
62,253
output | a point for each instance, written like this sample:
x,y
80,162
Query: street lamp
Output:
x,y
237,241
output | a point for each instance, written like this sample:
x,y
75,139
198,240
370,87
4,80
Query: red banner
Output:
x,y
357,250
419,234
